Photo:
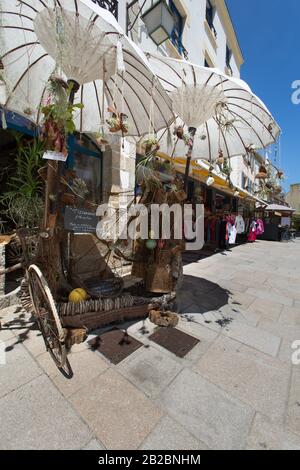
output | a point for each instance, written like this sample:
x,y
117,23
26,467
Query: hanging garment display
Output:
x,y
240,225
260,227
224,236
253,232
232,234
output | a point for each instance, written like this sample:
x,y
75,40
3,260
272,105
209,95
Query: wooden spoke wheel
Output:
x,y
47,316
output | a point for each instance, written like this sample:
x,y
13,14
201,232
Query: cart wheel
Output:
x,y
47,316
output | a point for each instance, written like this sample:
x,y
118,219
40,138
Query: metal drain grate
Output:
x,y
174,340
115,345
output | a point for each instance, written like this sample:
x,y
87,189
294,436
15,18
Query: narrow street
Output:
x,y
236,389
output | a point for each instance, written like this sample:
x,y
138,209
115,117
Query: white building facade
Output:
x,y
204,34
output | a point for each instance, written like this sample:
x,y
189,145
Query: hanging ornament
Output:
x,y
220,159
151,244
161,244
120,58
262,174
179,131
150,145
117,122
152,234
210,180
181,134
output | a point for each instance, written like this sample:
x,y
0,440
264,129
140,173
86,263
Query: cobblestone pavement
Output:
x,y
237,389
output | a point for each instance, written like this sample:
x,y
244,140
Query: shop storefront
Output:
x,y
277,221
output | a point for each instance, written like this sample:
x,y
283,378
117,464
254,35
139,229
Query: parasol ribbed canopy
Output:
x,y
84,43
228,116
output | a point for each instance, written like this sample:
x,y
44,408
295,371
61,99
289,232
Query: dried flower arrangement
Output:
x,y
181,134
117,122
58,116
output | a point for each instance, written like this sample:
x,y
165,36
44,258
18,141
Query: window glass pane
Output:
x,y
89,169
177,32
209,13
228,56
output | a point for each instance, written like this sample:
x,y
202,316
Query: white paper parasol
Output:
x,y
86,44
228,116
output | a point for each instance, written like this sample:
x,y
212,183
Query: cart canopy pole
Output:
x,y
192,131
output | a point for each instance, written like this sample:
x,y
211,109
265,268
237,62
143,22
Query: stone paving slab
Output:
x,y
246,316
266,435
85,366
34,342
287,292
37,417
94,444
256,338
248,375
150,370
228,284
119,414
20,368
266,308
211,415
169,435
293,411
241,299
282,330
250,279
290,316
269,295
237,388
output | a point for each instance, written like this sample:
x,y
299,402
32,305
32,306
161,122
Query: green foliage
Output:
x,y
22,202
226,168
296,222
63,117
59,114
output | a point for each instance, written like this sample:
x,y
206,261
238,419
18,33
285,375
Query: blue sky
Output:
x,y
269,35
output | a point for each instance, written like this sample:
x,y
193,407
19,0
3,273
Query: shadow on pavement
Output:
x,y
200,295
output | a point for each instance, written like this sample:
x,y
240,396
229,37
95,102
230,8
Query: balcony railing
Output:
x,y
110,5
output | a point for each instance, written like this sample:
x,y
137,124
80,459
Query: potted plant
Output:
x,y
263,173
150,145
22,202
58,116
220,159
117,122
181,134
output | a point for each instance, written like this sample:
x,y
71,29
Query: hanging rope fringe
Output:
x,y
169,138
120,58
103,98
151,110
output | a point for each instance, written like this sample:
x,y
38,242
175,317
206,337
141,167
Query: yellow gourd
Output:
x,y
77,295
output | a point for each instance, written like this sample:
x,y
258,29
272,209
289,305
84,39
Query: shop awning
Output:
x,y
200,171
279,208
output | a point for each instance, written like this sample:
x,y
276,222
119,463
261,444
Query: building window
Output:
x,y
177,33
110,5
210,14
245,181
85,159
228,58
